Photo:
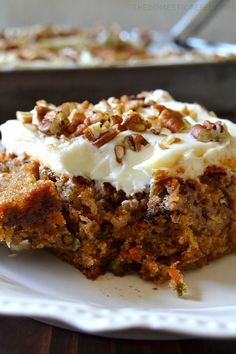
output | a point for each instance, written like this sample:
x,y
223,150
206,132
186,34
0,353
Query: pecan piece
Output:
x,y
98,117
53,124
75,118
135,142
84,105
120,152
171,120
44,103
79,130
93,131
106,137
158,107
49,126
56,121
24,117
138,97
39,113
187,112
116,119
88,133
209,131
133,121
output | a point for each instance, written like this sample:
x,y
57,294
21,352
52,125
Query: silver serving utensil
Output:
x,y
220,48
194,19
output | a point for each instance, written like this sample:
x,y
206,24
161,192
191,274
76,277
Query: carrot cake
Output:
x,y
138,183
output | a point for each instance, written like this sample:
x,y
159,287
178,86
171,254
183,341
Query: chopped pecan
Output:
x,y
153,119
117,107
187,124
200,133
79,130
158,107
120,152
155,131
133,105
144,94
56,121
105,127
212,114
133,121
135,142
124,98
51,124
84,105
99,117
187,112
102,106
39,113
138,98
172,120
66,108
75,118
24,117
43,103
93,131
155,125
116,119
209,131
106,137
48,127
168,141
88,133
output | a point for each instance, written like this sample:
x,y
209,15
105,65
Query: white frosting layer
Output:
x,y
78,157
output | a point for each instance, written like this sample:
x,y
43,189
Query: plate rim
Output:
x,y
87,318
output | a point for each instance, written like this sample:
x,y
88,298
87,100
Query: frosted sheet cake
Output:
x,y
53,47
139,183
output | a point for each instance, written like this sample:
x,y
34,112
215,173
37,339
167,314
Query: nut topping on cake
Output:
x,y
133,121
102,122
209,131
24,117
134,142
171,120
120,152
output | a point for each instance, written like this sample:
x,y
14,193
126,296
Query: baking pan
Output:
x,y
213,84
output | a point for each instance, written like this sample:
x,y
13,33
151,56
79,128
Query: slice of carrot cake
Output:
x,y
30,208
141,183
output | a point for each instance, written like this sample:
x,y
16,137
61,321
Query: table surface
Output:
x,y
26,336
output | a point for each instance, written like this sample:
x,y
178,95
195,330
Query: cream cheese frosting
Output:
x,y
178,154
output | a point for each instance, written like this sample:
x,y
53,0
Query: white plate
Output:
x,y
36,284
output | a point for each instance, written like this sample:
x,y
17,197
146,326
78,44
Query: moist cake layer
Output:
x,y
177,225
30,208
